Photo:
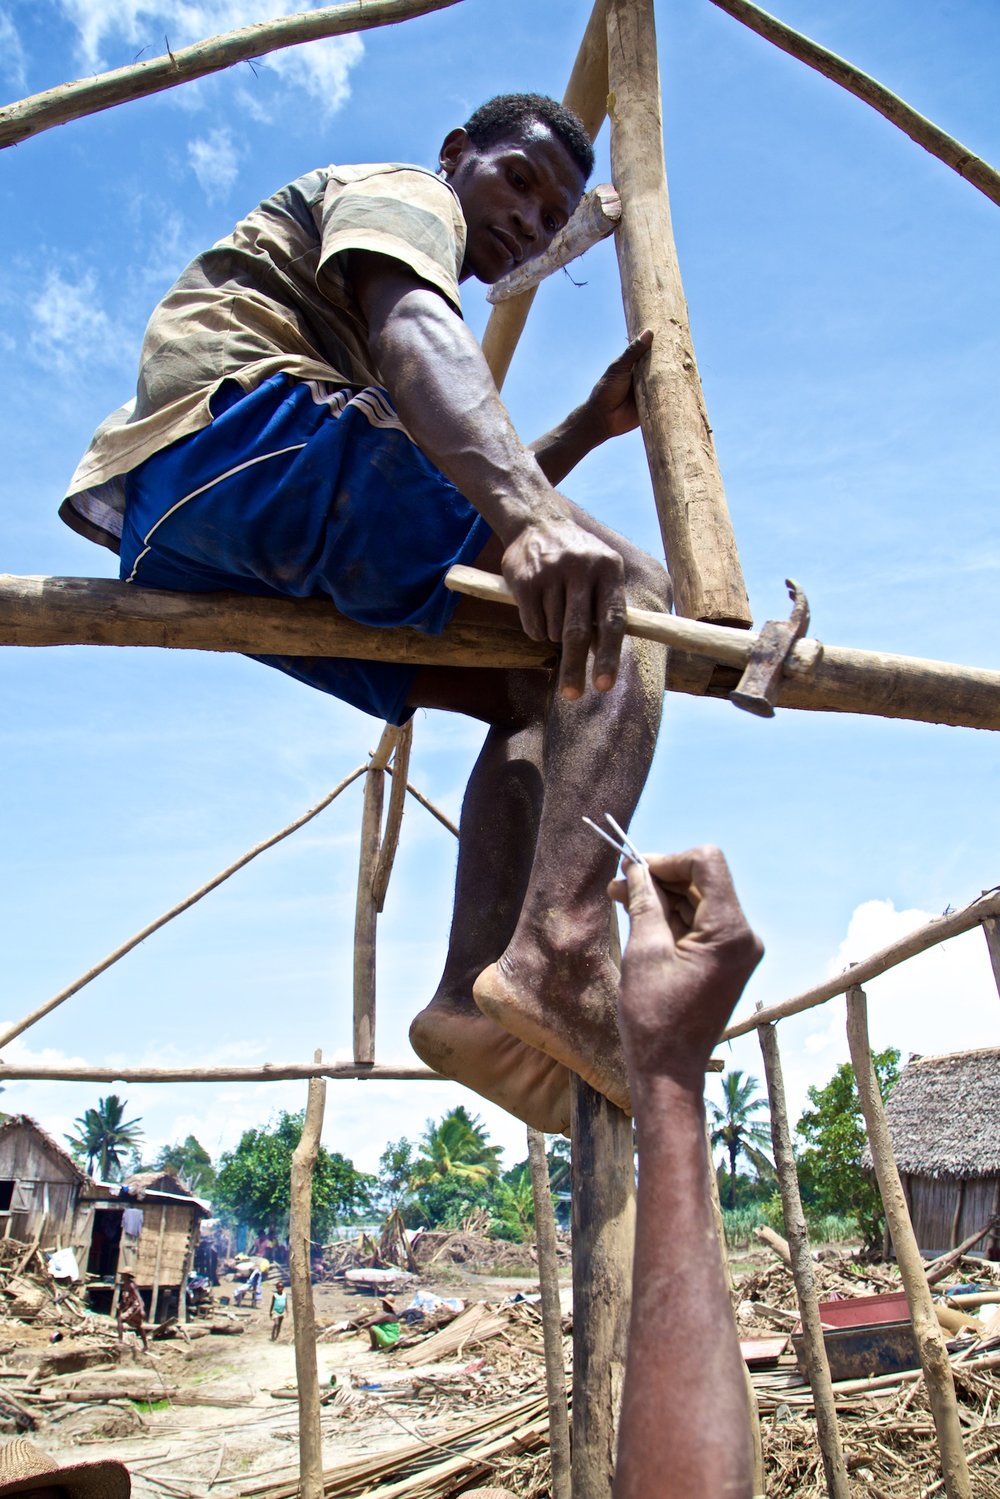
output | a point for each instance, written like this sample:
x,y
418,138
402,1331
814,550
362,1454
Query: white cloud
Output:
x,y
941,1001
215,162
11,53
71,329
110,28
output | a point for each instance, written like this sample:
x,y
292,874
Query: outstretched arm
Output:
x,y
685,1430
609,411
568,585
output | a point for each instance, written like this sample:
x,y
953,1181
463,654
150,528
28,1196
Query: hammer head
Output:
x,y
761,679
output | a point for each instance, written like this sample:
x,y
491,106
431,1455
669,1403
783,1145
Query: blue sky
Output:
x,y
844,301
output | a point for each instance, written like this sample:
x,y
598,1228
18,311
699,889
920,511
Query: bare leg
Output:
x,y
553,984
499,828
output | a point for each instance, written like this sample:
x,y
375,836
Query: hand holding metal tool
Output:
x,y
625,847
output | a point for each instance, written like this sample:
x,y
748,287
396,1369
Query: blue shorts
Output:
x,y
303,490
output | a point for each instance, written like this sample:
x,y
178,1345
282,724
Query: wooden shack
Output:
x,y
42,1189
944,1117
149,1224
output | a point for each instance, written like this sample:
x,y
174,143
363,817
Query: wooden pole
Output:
x,y
820,678
394,816
603,1247
933,139
929,1338
269,1072
303,1311
71,101
753,1404
154,926
991,931
817,1365
940,929
365,920
587,95
690,501
186,1269
154,1294
548,1284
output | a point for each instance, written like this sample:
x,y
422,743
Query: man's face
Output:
x,y
515,195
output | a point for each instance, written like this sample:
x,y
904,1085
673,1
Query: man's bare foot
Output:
x,y
578,1025
461,1043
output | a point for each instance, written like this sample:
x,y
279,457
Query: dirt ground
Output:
x,y
226,1430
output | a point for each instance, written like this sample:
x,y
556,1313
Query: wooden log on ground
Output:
x,y
587,95
268,1072
71,101
926,134
85,611
940,929
603,1247
776,1242
154,926
926,1330
595,218
945,1263
697,533
548,1283
303,1311
817,1365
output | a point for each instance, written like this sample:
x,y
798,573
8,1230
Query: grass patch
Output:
x,y
147,1407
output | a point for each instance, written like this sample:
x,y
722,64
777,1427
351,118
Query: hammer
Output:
x,y
758,686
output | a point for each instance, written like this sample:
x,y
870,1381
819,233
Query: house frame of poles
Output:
x,y
615,75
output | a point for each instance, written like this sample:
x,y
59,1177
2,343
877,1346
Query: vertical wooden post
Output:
x,y
603,1247
548,1284
300,1275
817,1365
186,1269
752,1402
930,1341
155,1293
691,504
368,900
587,95
991,931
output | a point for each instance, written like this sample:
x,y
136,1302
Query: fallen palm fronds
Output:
x,y
433,1468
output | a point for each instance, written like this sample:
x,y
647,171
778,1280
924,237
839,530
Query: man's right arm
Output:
x,y
568,585
685,1426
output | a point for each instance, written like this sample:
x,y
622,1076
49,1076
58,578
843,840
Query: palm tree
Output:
x,y
735,1129
457,1147
101,1134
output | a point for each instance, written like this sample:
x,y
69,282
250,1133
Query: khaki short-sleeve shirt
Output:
x,y
273,297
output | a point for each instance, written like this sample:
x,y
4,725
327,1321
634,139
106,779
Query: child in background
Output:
x,y
279,1301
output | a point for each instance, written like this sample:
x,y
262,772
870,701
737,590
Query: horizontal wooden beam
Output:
x,y
939,930
819,678
99,611
87,96
272,1072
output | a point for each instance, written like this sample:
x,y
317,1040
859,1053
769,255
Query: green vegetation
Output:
x,y
830,1168
735,1129
253,1182
102,1135
191,1163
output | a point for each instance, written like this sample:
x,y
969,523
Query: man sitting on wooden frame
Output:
x,y
313,417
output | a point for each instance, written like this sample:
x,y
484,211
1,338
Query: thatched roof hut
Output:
x,y
40,1186
944,1118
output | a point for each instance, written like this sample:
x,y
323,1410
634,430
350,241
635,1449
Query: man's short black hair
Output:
x,y
506,116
